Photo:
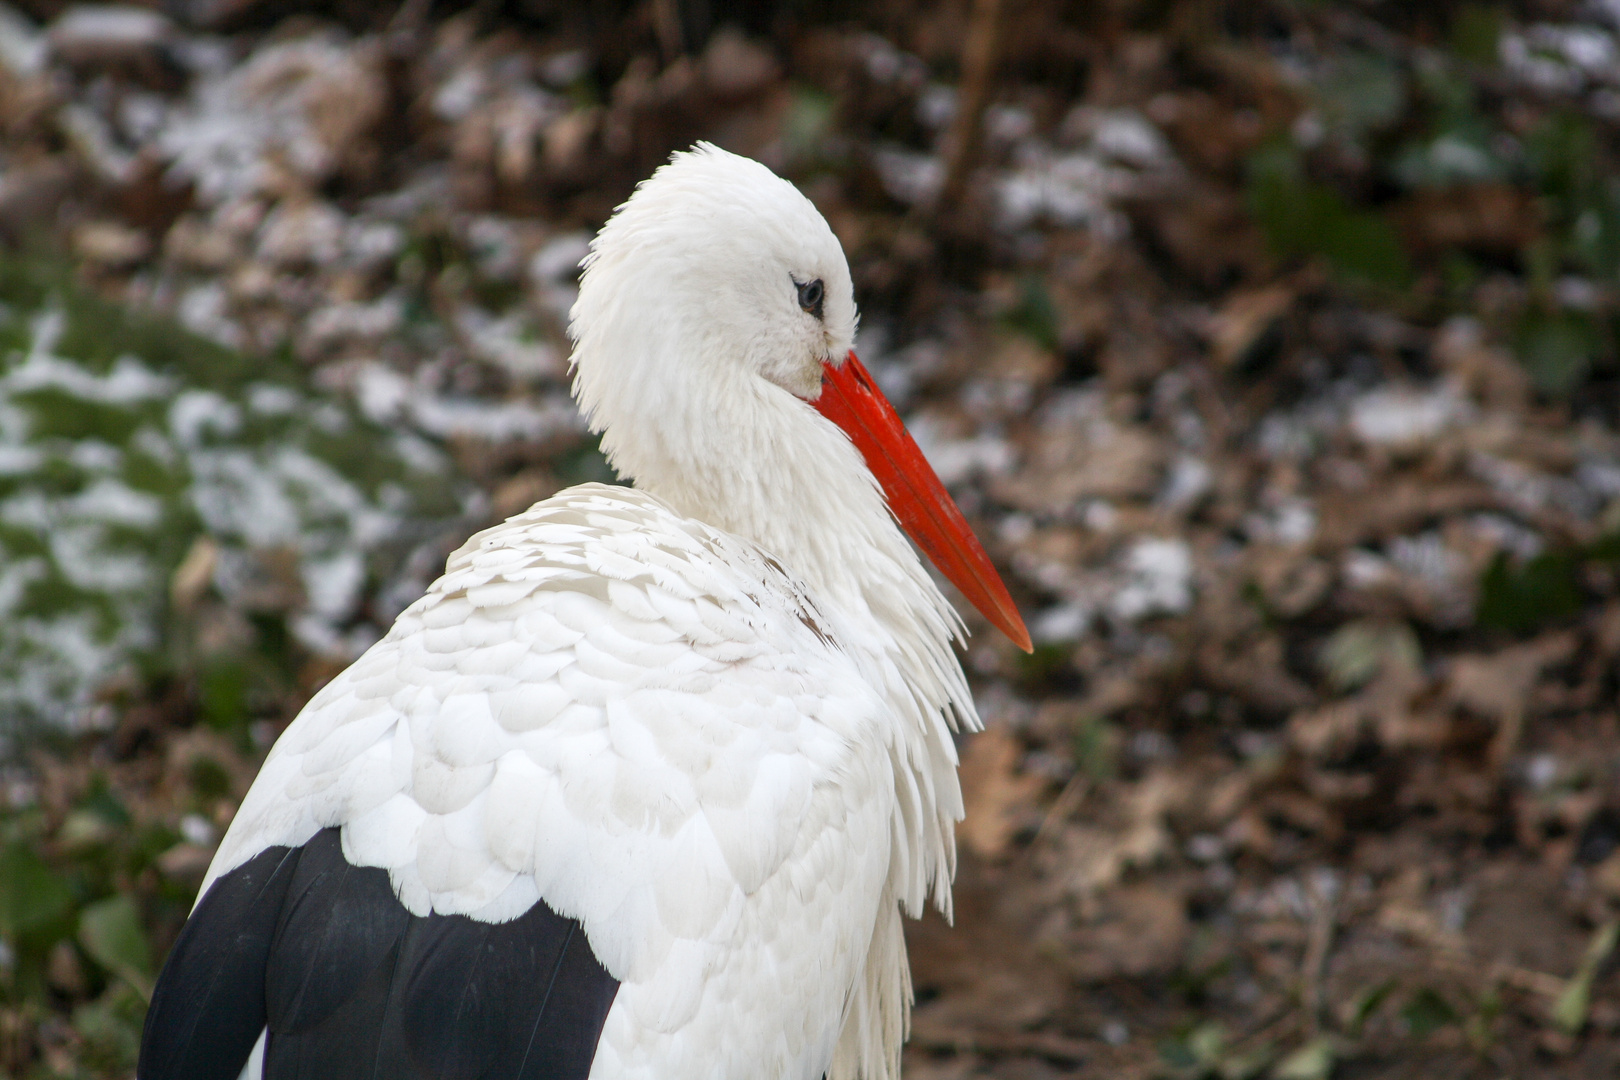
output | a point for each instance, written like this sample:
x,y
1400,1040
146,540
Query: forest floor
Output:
x,y
1270,347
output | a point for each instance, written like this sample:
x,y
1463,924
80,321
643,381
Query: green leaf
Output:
x,y
1313,1061
223,692
1363,246
1034,316
1557,350
1427,1012
1475,31
1359,650
111,933
1301,217
1570,1010
1364,1004
31,895
1521,599
1207,1043
111,1029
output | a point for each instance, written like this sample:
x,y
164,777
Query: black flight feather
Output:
x,y
338,924
354,987
208,1005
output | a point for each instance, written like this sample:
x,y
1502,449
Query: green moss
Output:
x,y
125,438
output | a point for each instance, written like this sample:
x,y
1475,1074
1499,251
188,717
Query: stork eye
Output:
x,y
811,295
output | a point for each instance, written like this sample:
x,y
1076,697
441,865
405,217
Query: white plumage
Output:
x,y
709,717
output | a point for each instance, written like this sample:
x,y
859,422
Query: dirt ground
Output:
x,y
1270,347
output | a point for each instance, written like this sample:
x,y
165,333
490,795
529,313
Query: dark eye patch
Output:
x,y
812,294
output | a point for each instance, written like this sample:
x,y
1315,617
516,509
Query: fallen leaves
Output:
x,y
997,796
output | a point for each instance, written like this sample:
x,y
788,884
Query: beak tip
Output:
x,y
1017,632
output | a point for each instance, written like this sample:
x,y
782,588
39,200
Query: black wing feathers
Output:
x,y
338,924
478,994
208,1006
569,1020
354,987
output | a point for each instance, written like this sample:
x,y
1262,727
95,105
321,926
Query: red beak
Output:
x,y
850,399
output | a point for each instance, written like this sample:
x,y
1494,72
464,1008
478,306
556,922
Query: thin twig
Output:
x,y
1319,943
980,54
1063,807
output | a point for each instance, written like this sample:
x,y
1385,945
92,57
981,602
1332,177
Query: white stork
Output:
x,y
641,787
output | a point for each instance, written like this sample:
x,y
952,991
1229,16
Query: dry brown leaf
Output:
x,y
1244,319
1092,859
995,794
1497,686
1090,460
1135,931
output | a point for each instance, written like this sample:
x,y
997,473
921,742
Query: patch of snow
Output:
x,y
458,95
1187,481
333,583
22,47
1600,477
936,106
268,399
355,320
506,342
1291,521
83,557
1364,569
1405,418
909,176
129,381
559,258
1008,123
368,243
196,829
1060,623
202,310
102,26
955,460
292,104
19,460
113,502
1069,190
1158,580
302,233
196,413
1505,534
1122,135
1426,558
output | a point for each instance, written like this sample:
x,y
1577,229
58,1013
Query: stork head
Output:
x,y
713,306
715,262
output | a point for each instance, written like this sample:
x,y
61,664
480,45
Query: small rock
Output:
x,y
110,244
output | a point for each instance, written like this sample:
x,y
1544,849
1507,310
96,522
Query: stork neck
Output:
x,y
767,467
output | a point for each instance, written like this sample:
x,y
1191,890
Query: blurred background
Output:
x,y
1269,345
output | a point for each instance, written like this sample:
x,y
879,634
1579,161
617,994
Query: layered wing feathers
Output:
x,y
641,721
